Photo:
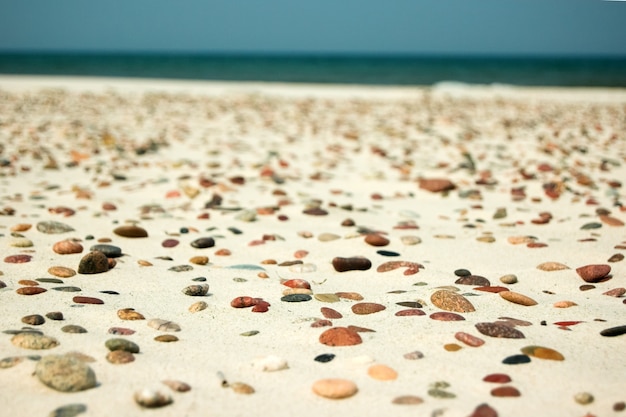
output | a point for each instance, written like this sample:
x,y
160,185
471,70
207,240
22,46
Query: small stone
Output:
x,y
354,296
407,400
87,300
593,273
66,247
65,373
382,372
241,388
296,298
367,308
340,336
61,271
516,359
329,313
170,243
619,406
508,279
413,355
30,290
163,325
614,331
499,331
468,339
69,410
552,266
52,227
119,357
150,398
129,314
452,347
166,338
73,328
33,320
410,240
497,378
324,357
270,363
243,302
203,243
109,251
121,331
93,263
616,258
586,287
327,298
199,260
375,239
297,283
67,289
334,388
198,306
564,304
355,263
177,386
50,280
17,259
198,290
462,272
21,242
436,185
328,237
475,280
55,315
315,211
615,292
517,298
250,333
542,353
121,344
34,341
611,221
130,231
446,316
484,410
505,391
583,398
410,312
447,300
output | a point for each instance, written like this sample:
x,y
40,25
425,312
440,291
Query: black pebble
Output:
x,y
203,242
199,279
110,251
296,298
516,359
614,331
325,357
387,253
462,273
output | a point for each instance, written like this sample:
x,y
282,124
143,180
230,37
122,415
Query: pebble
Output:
x,y
67,247
564,304
199,260
475,280
542,353
69,410
120,357
34,341
614,331
329,313
436,185
17,259
55,315
367,308
452,347
468,339
296,298
447,300
10,362
241,388
354,296
177,386
382,372
334,388
516,360
152,398
508,279
407,400
61,271
21,242
315,211
446,316
484,410
121,344
65,373
497,378
375,239
198,306
109,251
181,268
412,267
94,262
593,273
517,298
198,290
615,292
410,312
616,258
506,391
73,328
50,280
499,331
166,338
67,289
170,243
129,314
53,227
163,325
410,240
33,319
387,253
552,266
121,331
203,243
130,231
324,357
583,398
87,300
355,263
270,363
30,290
328,237
340,336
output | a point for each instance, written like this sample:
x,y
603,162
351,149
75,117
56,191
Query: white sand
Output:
x,y
222,130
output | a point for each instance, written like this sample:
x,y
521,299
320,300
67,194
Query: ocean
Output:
x,y
338,69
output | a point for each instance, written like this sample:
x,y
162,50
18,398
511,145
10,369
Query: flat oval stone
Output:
x,y
163,325
34,341
614,331
382,372
73,328
55,315
407,400
475,280
33,319
197,290
203,243
18,259
177,386
67,247
330,313
69,410
499,331
340,336
367,308
121,344
469,339
65,373
508,279
593,273
516,359
94,262
334,388
616,258
87,300
198,306
517,298
542,353
410,312
505,391
484,410
170,243
119,357
355,263
446,316
67,289
130,231
447,300
375,239
21,242
413,355
355,296
436,185
30,290
181,268
150,398
110,251
552,266
49,280
121,331
324,357
61,271
296,298
166,338
497,378
387,253
327,298
53,227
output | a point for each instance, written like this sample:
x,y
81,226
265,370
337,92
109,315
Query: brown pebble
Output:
x,y
586,287
447,300
375,239
382,372
355,263
120,357
340,336
55,315
410,312
334,388
21,227
17,259
475,280
499,330
446,316
177,386
30,290
436,185
497,378
131,231
367,308
506,391
199,260
321,323
61,271
564,304
407,400
355,296
542,353
67,247
452,347
484,410
34,319
517,298
615,292
616,258
95,262
611,221
166,338
297,283
28,283
493,289
594,273
329,313
243,302
468,339
87,300
552,266
129,314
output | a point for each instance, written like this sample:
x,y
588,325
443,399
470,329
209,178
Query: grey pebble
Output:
x,y
69,410
110,251
65,373
121,344
52,227
73,328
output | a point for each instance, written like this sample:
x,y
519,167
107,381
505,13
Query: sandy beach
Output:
x,y
427,251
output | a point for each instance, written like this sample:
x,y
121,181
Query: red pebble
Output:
x,y
329,313
497,378
410,312
87,300
446,316
297,283
242,302
505,392
567,323
30,290
484,410
494,289
322,323
468,339
17,259
261,306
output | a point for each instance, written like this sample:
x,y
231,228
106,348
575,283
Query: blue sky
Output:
x,y
546,27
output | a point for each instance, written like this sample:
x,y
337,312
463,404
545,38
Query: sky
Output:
x,y
483,27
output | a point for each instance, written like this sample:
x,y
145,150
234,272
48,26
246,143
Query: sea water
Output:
x,y
342,69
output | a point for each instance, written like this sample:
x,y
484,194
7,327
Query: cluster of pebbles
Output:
x,y
431,254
